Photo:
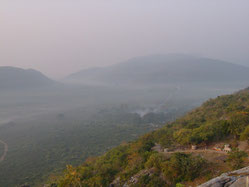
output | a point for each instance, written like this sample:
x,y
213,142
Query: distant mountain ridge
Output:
x,y
161,69
18,78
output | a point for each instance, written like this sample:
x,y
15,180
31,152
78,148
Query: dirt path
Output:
x,y
158,148
5,150
196,151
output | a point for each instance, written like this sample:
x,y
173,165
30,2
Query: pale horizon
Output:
x,y
63,37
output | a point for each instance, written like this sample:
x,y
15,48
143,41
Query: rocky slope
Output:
x,y
237,178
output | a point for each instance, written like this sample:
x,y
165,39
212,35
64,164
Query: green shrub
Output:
x,y
245,134
236,158
183,167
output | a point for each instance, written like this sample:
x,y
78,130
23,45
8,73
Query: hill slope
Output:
x,y
224,119
162,69
17,78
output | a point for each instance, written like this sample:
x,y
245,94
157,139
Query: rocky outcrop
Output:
x,y
133,180
236,178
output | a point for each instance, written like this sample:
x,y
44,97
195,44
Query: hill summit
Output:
x,y
17,78
164,69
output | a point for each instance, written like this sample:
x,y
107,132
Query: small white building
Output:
x,y
165,150
193,147
227,148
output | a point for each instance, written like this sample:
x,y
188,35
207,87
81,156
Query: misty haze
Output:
x,y
124,93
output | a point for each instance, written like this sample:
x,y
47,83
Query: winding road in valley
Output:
x,y
5,150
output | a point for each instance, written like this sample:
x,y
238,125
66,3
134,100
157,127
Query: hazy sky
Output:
x,y
58,37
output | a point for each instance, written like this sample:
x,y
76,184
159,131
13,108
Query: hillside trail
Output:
x,y
196,151
5,150
159,149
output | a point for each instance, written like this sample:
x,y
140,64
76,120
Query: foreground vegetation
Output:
x,y
225,118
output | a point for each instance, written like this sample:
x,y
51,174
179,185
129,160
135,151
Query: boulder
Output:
x,y
231,179
239,183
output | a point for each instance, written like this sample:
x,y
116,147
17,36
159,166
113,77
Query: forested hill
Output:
x,y
224,119
18,78
164,69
